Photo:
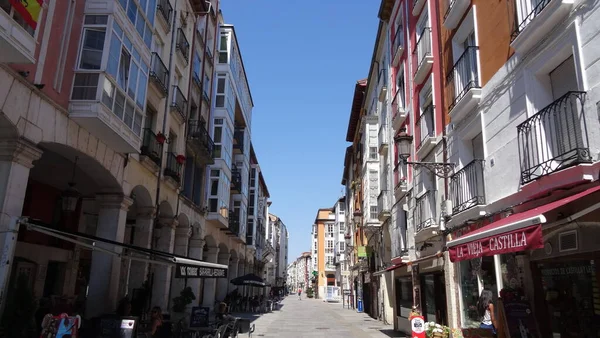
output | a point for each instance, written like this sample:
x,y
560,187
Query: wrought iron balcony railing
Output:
x,y
533,12
234,222
555,138
165,10
467,187
198,133
426,124
423,47
425,211
464,75
150,146
236,179
159,72
183,46
179,102
173,168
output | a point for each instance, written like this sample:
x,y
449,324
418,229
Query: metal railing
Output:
x,y
150,146
179,102
383,201
529,13
423,47
159,72
165,9
173,168
425,211
467,187
234,222
183,46
197,132
425,123
238,136
464,75
398,40
449,9
236,179
555,138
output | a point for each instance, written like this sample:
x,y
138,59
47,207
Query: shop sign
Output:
x,y
193,271
517,240
362,251
417,326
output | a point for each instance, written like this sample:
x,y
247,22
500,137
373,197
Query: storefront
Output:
x,y
540,265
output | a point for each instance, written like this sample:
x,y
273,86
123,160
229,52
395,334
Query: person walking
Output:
x,y
299,294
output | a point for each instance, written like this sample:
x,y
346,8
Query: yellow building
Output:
x,y
323,249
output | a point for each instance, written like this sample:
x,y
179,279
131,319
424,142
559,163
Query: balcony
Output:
x,y
418,6
234,224
238,141
164,10
199,140
183,46
538,21
107,112
399,110
173,168
400,181
463,82
218,217
425,215
427,139
179,104
17,38
382,79
384,141
455,11
384,205
152,149
236,180
196,80
422,56
467,187
554,139
159,74
398,46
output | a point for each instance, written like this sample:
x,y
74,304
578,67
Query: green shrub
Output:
x,y
310,293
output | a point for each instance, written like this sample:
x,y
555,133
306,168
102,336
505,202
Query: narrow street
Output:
x,y
315,318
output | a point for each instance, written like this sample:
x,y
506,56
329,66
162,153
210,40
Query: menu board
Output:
x,y
519,319
199,316
117,327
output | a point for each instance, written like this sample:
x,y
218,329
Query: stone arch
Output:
x,y
141,196
183,221
233,254
209,242
197,231
7,128
61,164
165,210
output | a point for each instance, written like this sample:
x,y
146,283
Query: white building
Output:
x,y
341,257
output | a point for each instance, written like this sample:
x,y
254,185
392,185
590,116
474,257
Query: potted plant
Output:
x,y
310,293
180,159
186,296
161,138
434,330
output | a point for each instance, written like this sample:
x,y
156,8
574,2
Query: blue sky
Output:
x,y
302,59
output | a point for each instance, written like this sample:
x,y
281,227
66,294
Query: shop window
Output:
x,y
475,275
404,296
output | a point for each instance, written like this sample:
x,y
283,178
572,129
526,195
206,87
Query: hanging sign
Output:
x,y
517,240
193,271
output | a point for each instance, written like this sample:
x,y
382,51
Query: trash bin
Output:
x,y
359,306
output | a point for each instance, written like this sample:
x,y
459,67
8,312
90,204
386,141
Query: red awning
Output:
x,y
514,233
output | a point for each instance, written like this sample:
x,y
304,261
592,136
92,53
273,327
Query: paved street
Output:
x,y
315,318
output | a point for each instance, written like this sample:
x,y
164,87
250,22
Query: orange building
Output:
x,y
323,255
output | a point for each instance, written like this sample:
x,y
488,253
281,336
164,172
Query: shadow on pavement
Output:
x,y
392,333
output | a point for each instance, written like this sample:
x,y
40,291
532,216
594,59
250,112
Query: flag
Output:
x,y
29,10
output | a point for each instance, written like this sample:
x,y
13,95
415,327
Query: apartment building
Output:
x,y
341,258
120,124
277,236
323,237
298,273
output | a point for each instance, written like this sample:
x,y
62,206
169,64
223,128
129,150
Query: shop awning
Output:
x,y
388,269
184,267
517,232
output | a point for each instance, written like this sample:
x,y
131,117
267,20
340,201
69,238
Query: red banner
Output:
x,y
517,240
29,10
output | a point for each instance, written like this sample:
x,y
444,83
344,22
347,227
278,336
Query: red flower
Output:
x,y
180,159
161,138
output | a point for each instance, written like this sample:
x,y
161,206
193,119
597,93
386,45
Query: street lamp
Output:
x,y
404,142
70,197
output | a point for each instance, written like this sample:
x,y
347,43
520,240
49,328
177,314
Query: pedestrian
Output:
x,y
299,294
485,309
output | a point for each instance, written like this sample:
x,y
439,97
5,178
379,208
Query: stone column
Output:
x,y
162,273
142,237
222,286
210,284
232,273
106,269
196,252
182,239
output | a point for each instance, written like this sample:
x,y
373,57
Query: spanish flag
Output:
x,y
29,10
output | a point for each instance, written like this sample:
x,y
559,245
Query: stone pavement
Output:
x,y
315,318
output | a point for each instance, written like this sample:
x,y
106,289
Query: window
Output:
x,y
197,67
373,153
92,47
224,48
141,14
342,228
8,8
400,87
342,246
220,99
330,228
329,247
342,207
404,296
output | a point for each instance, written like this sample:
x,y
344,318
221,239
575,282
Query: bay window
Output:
x,y
141,14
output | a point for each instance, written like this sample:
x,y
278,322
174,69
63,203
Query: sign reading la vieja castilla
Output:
x,y
192,271
517,240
